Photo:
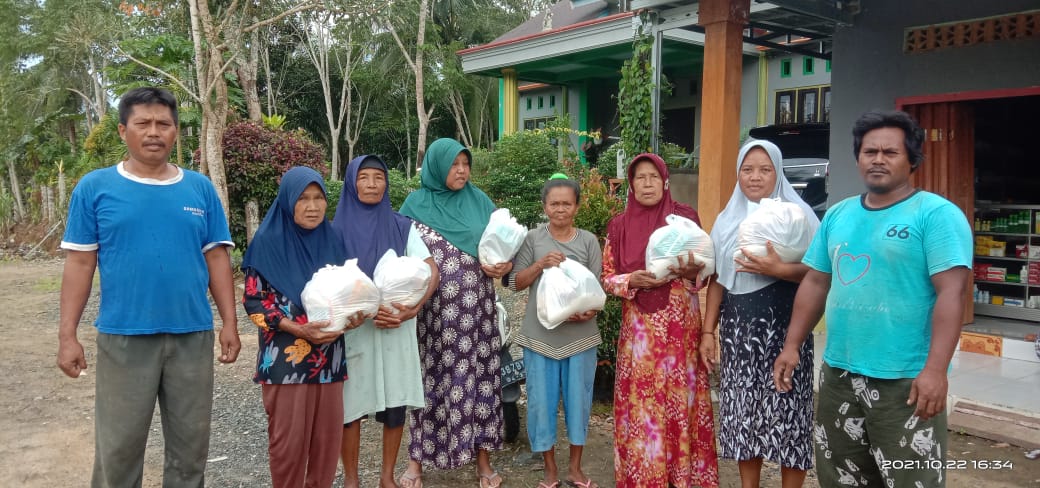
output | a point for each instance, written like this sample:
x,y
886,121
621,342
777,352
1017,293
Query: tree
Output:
x,y
326,54
416,63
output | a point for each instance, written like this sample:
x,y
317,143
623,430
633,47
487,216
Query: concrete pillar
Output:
x,y
723,22
510,102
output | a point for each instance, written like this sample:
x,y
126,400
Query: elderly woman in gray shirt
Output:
x,y
561,360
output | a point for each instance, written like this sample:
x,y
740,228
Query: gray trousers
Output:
x,y
134,371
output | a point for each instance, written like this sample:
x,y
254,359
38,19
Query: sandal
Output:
x,y
488,480
554,484
410,480
578,484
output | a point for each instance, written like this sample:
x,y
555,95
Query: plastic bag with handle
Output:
x,y
335,293
565,290
401,279
782,223
680,235
501,238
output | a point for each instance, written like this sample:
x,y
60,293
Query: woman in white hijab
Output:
x,y
750,299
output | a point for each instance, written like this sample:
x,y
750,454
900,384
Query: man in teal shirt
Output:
x,y
891,267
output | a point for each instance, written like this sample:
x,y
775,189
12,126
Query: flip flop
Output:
x,y
490,480
554,484
410,480
578,484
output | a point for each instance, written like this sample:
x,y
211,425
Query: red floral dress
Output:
x,y
663,430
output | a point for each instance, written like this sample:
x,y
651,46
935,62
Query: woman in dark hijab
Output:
x,y
662,405
383,353
458,332
300,368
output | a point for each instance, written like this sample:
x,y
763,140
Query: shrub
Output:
x,y
255,157
597,207
335,189
401,186
519,166
480,166
102,147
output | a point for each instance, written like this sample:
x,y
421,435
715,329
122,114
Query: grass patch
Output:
x,y
602,409
48,285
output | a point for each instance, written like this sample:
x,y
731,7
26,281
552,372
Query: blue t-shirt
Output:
x,y
150,237
879,309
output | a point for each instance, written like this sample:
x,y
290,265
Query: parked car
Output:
x,y
806,150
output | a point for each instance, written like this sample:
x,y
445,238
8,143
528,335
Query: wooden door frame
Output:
x,y
963,97
967,96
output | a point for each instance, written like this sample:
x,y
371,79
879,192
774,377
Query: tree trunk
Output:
x,y
16,192
420,97
247,70
213,94
216,122
47,202
408,137
355,121
252,220
61,188
458,112
197,37
267,81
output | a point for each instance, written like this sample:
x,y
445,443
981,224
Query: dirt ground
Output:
x,y
46,419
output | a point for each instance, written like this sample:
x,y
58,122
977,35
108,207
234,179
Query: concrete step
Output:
x,y
996,424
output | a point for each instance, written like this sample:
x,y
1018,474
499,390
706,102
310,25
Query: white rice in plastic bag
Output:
x,y
501,238
680,235
401,279
782,223
335,293
565,290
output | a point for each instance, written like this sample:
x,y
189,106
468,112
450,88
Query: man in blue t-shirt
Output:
x,y
891,266
158,236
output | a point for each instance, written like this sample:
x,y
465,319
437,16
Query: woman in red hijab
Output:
x,y
663,433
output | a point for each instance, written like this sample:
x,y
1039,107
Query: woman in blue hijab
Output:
x,y
300,368
383,353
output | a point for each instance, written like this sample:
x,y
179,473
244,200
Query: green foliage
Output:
x,y
236,260
520,165
559,131
273,121
635,96
609,322
597,207
480,165
103,147
334,189
255,158
401,186
676,156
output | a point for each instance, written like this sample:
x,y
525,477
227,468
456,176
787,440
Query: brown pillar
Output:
x,y
723,22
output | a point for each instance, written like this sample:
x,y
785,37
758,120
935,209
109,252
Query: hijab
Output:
x,y
630,231
285,254
367,231
724,233
458,215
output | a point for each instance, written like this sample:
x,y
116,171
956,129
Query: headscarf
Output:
x,y
724,233
367,231
285,254
458,215
630,231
